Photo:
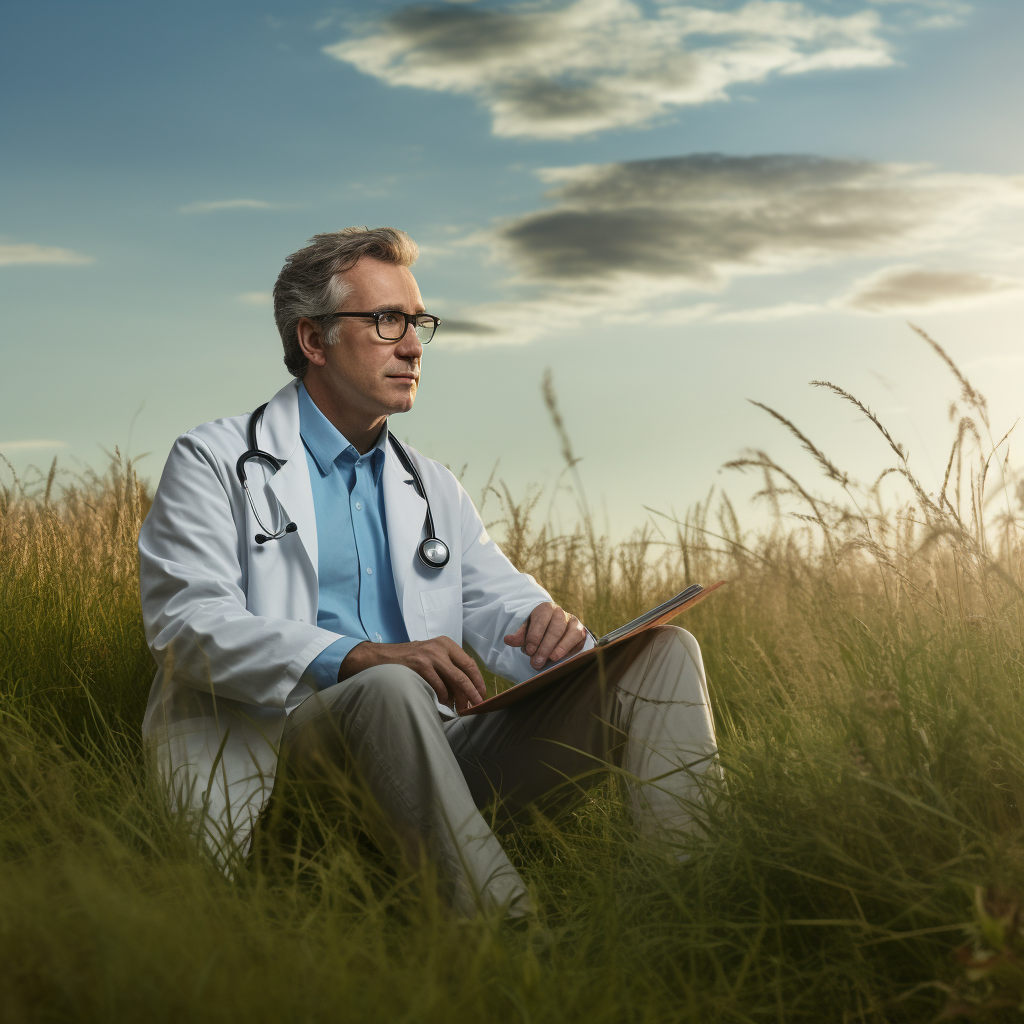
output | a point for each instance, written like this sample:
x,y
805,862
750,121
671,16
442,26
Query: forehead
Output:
x,y
373,285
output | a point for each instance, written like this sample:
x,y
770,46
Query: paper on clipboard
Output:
x,y
658,616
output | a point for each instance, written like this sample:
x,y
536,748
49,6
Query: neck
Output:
x,y
360,429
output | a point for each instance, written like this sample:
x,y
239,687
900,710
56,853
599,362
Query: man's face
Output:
x,y
365,375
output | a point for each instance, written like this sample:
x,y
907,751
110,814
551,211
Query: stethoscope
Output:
x,y
433,551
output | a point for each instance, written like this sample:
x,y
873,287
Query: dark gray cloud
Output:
x,y
558,70
450,326
905,288
462,34
624,241
703,218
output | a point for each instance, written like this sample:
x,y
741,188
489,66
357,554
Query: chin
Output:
x,y
403,404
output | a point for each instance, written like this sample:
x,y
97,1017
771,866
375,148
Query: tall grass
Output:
x,y
867,668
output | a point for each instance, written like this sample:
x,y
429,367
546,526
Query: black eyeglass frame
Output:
x,y
410,319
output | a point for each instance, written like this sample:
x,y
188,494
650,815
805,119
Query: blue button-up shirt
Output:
x,y
357,588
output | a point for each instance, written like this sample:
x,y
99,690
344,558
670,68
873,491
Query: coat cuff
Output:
x,y
323,670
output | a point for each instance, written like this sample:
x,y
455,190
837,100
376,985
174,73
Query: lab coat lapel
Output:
x,y
278,434
405,511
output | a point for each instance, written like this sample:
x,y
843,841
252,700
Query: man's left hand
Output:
x,y
549,634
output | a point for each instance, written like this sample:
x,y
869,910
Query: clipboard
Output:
x,y
658,616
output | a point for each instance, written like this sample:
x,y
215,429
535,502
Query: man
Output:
x,y
307,584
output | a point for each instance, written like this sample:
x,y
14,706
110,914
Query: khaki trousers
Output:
x,y
644,708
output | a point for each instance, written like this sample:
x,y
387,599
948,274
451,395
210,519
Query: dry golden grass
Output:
x,y
867,667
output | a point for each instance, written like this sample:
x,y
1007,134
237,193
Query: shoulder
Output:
x,y
213,445
220,436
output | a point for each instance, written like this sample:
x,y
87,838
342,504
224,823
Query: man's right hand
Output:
x,y
451,672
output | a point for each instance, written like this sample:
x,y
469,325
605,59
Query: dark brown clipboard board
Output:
x,y
516,693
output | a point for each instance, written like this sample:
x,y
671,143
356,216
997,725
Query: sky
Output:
x,y
675,208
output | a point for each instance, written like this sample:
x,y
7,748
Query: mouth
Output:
x,y
412,377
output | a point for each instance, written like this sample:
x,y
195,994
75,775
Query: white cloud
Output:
x,y
256,298
559,71
906,288
17,254
227,204
22,446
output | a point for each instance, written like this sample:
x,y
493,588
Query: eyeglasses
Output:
x,y
393,323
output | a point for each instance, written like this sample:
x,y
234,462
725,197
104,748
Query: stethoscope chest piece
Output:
x,y
434,552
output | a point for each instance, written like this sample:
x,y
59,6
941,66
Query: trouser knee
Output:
x,y
669,683
675,637
388,688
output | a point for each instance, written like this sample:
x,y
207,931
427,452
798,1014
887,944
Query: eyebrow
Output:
x,y
390,307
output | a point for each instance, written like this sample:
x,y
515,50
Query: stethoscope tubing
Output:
x,y
433,551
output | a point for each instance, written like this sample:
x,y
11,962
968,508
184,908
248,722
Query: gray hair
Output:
x,y
309,284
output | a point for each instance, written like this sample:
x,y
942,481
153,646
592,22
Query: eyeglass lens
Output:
x,y
391,327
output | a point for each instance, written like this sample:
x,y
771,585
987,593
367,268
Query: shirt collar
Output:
x,y
325,442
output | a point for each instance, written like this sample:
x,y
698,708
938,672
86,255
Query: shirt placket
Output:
x,y
369,570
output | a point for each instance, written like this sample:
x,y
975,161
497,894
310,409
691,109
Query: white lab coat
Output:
x,y
232,624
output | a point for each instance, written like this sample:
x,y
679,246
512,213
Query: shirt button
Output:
x,y
369,571
359,506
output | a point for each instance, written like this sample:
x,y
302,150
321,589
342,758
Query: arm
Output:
x,y
198,626
509,619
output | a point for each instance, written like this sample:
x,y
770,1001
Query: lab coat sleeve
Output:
x,y
496,598
323,670
193,603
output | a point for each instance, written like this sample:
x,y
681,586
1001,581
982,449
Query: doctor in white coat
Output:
x,y
272,634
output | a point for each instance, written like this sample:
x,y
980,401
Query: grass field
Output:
x,y
867,864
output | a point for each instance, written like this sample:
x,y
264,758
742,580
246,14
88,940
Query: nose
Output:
x,y
409,345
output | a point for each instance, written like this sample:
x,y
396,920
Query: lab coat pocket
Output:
x,y
442,609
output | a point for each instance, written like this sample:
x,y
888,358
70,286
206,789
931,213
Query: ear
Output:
x,y
311,341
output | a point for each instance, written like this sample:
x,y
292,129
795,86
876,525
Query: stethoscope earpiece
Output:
x,y
262,538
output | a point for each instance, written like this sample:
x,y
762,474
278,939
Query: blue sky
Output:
x,y
675,207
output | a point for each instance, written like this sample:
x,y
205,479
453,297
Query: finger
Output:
x,y
572,640
539,619
554,633
465,662
436,683
459,684
517,638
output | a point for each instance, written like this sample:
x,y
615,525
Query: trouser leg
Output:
x,y
644,708
671,757
384,723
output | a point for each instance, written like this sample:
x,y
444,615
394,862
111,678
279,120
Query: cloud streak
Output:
x,y
562,71
227,204
901,289
24,253
473,327
23,446
929,14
